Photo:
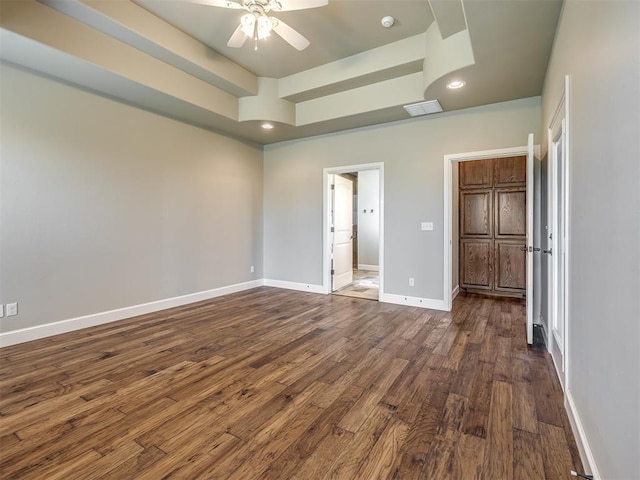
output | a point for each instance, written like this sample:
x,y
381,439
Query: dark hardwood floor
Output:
x,y
275,384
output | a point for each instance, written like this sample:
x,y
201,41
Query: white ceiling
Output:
x,y
171,57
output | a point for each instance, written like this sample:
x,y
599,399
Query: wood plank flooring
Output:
x,y
275,384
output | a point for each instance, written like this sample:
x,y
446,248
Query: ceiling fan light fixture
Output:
x,y
264,27
257,25
248,22
267,126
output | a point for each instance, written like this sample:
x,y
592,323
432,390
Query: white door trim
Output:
x,y
559,126
530,235
326,230
448,214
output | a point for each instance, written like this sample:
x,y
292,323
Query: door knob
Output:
x,y
550,251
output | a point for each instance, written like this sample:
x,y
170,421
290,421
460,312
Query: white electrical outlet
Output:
x,y
252,269
411,282
1,310
12,309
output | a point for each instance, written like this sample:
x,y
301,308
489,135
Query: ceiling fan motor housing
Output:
x,y
262,6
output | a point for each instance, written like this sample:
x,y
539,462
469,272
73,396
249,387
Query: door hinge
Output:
x,y
333,187
333,230
333,272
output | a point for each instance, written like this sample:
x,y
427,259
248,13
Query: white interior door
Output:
x,y
342,229
530,248
558,178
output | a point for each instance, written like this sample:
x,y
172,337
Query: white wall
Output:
x,y
105,206
413,152
368,218
598,45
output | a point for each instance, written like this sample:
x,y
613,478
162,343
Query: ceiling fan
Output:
x,y
258,25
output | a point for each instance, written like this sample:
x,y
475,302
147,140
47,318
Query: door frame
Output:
x,y
448,214
559,126
326,227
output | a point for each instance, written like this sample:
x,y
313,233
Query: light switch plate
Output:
x,y
426,226
12,309
1,311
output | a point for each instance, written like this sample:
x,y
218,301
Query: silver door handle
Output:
x,y
550,251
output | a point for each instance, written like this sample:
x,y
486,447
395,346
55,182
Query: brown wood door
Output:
x,y
493,226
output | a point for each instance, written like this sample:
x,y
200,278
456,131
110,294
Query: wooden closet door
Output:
x,y
510,240
493,222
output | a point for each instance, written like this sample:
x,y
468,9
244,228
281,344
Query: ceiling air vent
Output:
x,y
423,108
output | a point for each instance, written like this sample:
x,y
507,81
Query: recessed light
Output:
x,y
456,84
267,126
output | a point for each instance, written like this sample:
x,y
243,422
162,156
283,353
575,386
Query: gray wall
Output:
x,y
413,155
597,44
105,206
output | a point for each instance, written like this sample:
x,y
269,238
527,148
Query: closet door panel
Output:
x,y
476,213
510,171
511,266
476,174
476,257
511,212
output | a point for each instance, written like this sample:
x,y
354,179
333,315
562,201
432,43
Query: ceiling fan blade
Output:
x,y
290,35
299,4
218,3
237,39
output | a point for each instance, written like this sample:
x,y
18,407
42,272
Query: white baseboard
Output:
x,y
302,287
413,301
41,331
586,455
455,292
373,268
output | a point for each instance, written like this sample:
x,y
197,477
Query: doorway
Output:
x,y
451,282
492,214
353,231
